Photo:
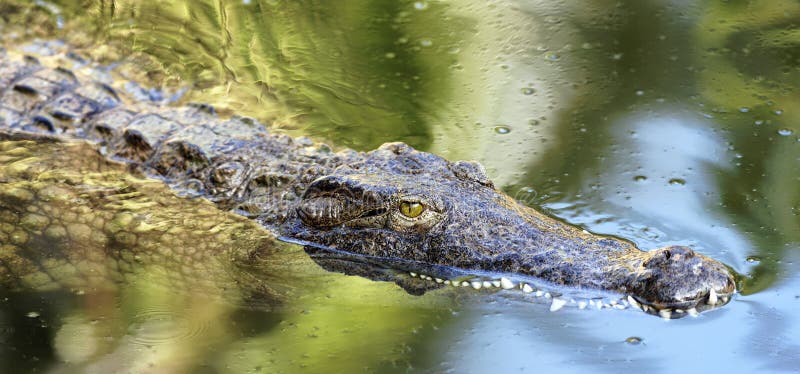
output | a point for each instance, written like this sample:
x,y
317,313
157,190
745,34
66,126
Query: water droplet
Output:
x,y
617,56
390,55
533,122
586,46
744,109
677,182
420,5
425,42
634,340
502,130
785,132
640,178
779,112
753,259
32,314
639,93
759,122
527,91
454,50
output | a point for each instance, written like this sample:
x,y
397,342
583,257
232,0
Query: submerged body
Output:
x,y
393,207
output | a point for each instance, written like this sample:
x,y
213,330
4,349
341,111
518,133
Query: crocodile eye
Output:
x,y
411,209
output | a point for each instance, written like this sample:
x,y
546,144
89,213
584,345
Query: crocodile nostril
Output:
x,y
677,253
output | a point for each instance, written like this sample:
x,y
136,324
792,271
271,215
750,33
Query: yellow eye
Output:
x,y
411,209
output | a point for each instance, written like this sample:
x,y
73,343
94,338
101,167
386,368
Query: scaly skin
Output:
x,y
393,207
70,218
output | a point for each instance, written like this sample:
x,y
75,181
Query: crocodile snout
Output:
x,y
678,278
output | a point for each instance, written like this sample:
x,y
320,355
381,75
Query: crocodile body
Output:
x,y
395,207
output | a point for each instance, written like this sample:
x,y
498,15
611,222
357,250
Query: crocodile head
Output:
x,y
416,212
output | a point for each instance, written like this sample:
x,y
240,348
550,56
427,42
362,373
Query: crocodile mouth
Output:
x,y
711,300
432,276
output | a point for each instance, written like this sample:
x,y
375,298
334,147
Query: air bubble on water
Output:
x,y
552,57
753,259
390,55
640,178
639,93
744,109
785,132
677,182
527,91
633,340
778,112
502,130
425,42
420,5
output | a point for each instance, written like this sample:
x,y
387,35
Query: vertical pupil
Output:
x,y
410,209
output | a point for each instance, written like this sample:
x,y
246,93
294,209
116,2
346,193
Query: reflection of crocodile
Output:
x,y
393,207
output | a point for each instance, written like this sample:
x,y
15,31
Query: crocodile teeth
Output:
x,y
665,313
506,283
464,284
539,293
582,305
527,288
439,280
496,283
692,312
476,285
446,281
487,284
633,302
724,299
557,304
712,297
413,274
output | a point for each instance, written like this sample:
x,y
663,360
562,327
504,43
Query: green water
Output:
x,y
660,122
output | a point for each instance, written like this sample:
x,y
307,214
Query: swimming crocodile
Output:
x,y
440,222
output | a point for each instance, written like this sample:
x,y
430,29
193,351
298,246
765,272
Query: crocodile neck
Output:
x,y
236,163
